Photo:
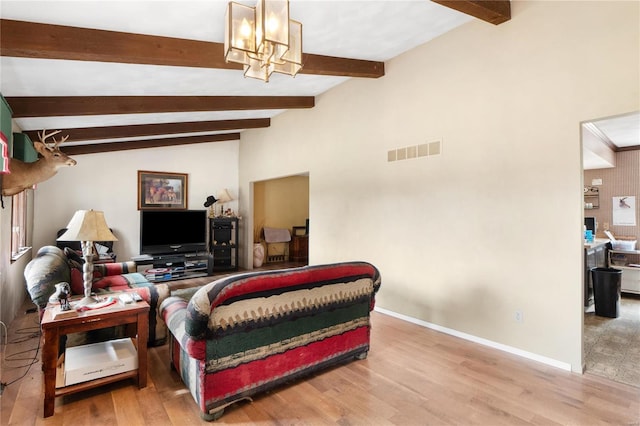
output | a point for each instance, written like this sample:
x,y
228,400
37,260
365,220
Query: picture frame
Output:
x,y
162,190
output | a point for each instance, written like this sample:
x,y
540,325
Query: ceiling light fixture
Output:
x,y
263,39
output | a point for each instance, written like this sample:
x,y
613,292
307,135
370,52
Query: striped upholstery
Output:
x,y
51,266
43,272
246,333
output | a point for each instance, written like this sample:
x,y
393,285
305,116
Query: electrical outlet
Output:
x,y
519,317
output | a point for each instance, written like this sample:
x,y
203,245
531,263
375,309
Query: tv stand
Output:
x,y
174,266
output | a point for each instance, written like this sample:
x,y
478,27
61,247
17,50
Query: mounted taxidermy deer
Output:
x,y
25,175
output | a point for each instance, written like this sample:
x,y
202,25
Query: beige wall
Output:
x,y
622,180
492,226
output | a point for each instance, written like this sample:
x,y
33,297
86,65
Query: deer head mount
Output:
x,y
24,175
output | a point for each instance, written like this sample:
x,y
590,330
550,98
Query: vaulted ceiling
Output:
x,y
138,74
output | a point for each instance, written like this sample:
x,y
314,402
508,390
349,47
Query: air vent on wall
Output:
x,y
415,151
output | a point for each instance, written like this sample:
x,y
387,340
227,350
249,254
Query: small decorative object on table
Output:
x,y
61,295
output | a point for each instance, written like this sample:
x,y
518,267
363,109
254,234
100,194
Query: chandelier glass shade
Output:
x,y
263,39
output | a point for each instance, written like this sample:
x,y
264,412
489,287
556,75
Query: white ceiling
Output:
x,y
371,30
621,131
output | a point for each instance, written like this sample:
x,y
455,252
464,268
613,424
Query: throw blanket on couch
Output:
x,y
243,334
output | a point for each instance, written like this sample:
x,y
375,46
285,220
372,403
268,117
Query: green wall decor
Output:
x,y
23,148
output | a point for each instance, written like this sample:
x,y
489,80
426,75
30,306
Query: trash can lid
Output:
x,y
607,270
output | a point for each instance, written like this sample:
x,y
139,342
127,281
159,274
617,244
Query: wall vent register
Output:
x,y
415,151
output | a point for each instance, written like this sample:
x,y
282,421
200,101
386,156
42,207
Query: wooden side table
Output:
x,y
134,316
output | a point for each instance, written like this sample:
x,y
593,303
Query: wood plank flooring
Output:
x,y
413,376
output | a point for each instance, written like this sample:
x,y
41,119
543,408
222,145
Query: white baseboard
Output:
x,y
505,348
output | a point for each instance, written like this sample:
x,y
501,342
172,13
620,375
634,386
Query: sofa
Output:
x,y
244,334
52,265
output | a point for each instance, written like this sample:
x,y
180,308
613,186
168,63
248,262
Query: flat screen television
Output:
x,y
173,231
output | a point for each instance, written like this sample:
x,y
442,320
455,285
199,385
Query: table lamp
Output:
x,y
87,226
223,197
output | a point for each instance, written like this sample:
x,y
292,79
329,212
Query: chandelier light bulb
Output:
x,y
245,28
272,23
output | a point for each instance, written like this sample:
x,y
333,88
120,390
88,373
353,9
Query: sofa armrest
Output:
x,y
173,311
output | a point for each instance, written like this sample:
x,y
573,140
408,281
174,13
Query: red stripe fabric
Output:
x,y
247,376
196,348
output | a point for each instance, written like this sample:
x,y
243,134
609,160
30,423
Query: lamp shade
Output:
x,y
224,196
87,225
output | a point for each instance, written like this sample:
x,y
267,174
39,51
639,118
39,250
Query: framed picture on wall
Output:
x,y
162,190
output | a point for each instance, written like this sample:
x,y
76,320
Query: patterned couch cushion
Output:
x,y
47,267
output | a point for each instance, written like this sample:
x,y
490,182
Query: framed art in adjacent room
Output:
x,y
162,190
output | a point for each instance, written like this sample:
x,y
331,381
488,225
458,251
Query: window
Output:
x,y
18,225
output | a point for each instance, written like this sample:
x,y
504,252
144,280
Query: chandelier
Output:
x,y
263,39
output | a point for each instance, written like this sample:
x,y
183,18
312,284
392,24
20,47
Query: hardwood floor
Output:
x,y
412,376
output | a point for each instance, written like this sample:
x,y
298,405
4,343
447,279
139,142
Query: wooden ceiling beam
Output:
x,y
628,148
47,41
148,143
493,11
59,106
342,67
138,130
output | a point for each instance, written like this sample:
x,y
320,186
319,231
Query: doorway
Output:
x,y
611,168
282,204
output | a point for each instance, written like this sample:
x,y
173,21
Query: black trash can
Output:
x,y
606,291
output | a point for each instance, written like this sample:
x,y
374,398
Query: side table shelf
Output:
x,y
134,316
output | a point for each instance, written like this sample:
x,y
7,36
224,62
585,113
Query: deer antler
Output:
x,y
43,136
64,138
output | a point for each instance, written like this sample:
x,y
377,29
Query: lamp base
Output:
x,y
87,300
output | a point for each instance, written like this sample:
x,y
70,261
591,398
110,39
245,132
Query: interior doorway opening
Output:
x,y
611,169
281,207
